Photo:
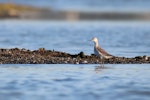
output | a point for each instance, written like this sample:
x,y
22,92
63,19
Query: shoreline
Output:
x,y
14,11
42,56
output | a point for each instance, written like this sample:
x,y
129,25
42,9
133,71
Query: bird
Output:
x,y
99,52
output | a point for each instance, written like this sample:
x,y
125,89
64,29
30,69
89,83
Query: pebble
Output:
x,y
145,57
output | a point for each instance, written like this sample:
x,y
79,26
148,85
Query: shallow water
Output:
x,y
90,82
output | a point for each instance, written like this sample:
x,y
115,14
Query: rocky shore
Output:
x,y
42,56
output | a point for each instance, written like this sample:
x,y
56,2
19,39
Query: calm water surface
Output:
x,y
76,82
72,82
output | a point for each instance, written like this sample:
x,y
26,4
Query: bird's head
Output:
x,y
95,40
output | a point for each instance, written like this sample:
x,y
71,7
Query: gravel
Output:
x,y
42,56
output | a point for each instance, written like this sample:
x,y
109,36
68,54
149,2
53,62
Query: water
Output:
x,y
72,82
127,39
76,82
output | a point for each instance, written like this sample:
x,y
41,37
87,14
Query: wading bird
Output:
x,y
98,51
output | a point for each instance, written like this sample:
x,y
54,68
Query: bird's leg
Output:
x,y
102,62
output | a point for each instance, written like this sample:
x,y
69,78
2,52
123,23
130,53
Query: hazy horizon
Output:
x,y
88,5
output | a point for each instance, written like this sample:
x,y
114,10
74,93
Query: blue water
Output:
x,y
127,39
76,82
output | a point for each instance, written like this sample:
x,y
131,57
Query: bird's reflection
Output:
x,y
100,68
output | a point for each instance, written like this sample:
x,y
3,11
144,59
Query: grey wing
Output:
x,y
103,51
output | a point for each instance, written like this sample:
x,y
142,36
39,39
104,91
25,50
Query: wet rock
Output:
x,y
84,62
145,57
138,57
81,54
23,49
41,49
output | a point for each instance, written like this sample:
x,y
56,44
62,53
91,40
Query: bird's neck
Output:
x,y
96,44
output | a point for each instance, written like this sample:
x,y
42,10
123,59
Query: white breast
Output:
x,y
97,53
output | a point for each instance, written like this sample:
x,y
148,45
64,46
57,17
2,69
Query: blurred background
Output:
x,y
75,10
122,26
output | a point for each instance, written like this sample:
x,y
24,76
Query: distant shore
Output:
x,y
42,56
28,12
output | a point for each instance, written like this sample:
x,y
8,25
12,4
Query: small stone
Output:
x,y
138,57
76,62
7,50
85,62
3,50
92,54
145,57
65,62
23,49
81,54
74,59
41,49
